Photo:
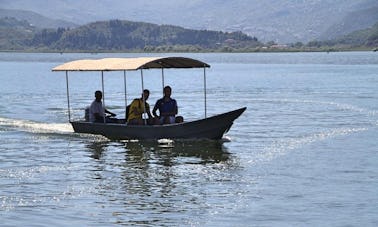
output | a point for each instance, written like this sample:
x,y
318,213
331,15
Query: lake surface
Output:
x,y
305,153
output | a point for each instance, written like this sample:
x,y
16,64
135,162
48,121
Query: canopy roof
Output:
x,y
122,64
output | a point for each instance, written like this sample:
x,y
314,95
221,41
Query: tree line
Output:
x,y
117,35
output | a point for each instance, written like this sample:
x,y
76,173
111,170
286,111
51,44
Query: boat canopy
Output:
x,y
125,64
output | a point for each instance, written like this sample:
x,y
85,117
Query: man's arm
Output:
x,y
176,108
111,114
155,108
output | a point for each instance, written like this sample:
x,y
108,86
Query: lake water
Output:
x,y
305,153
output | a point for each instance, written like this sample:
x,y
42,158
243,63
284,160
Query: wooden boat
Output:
x,y
213,127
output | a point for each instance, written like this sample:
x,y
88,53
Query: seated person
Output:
x,y
137,109
97,110
167,108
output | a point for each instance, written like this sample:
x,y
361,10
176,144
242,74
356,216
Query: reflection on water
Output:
x,y
147,181
97,148
200,152
181,152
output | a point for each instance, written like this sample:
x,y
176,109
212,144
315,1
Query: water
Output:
x,y
305,153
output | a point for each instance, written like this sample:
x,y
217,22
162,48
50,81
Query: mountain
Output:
x,y
117,35
121,35
282,21
366,37
13,33
127,35
35,19
353,21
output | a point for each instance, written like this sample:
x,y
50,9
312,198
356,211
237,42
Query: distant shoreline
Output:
x,y
209,51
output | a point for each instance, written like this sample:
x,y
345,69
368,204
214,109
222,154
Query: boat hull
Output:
x,y
209,128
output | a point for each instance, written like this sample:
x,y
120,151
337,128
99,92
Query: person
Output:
x,y
167,107
97,110
137,109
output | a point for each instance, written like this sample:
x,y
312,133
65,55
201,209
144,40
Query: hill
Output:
x,y
117,35
361,38
13,33
35,19
353,21
282,21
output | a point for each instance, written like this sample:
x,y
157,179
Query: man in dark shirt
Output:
x,y
167,107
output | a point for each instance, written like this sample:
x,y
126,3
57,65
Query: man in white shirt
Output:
x,y
97,111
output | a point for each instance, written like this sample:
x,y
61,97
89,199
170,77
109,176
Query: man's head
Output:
x,y
145,94
98,95
167,91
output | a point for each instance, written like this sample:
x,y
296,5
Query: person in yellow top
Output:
x,y
137,109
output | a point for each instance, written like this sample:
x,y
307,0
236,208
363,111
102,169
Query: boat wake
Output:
x,y
282,147
34,127
342,106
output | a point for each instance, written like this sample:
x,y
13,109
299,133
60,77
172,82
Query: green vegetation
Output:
x,y
127,36
13,33
117,35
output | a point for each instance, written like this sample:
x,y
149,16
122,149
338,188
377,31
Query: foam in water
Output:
x,y
167,143
36,127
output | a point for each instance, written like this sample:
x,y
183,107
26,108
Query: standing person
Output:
x,y
167,107
137,109
97,110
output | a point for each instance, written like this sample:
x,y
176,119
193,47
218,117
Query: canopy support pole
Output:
x,y
124,82
144,100
204,82
68,98
103,94
162,79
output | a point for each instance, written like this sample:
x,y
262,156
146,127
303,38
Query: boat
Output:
x,y
212,127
